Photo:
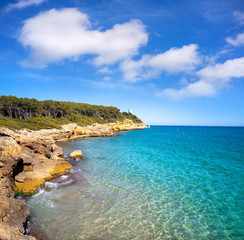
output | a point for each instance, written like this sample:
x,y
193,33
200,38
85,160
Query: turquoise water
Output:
x,y
159,183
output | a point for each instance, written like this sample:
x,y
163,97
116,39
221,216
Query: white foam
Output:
x,y
64,177
51,185
40,191
67,182
50,204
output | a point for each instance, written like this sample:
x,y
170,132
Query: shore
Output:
x,y
30,158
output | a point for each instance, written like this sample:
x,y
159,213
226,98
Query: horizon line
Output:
x,y
168,125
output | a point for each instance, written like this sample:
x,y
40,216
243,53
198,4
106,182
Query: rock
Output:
x,y
5,187
13,214
95,130
53,147
6,132
127,125
80,131
76,154
28,182
8,232
63,139
69,127
10,149
30,158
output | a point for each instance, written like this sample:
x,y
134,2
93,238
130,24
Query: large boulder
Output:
x,y
76,154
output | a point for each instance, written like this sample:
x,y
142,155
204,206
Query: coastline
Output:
x,y
30,158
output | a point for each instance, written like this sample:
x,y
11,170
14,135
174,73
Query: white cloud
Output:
x,y
134,71
23,4
212,79
105,70
238,41
239,16
174,60
225,71
200,88
58,34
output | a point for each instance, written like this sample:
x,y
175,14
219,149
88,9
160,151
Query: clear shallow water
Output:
x,y
159,183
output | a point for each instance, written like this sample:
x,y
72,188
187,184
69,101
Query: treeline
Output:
x,y
25,108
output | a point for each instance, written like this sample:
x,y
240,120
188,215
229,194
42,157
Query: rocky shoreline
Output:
x,y
30,158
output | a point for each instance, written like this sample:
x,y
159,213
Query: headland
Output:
x,y
30,158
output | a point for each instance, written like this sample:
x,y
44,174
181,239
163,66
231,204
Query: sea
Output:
x,y
166,182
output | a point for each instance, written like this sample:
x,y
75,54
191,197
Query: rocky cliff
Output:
x,y
29,158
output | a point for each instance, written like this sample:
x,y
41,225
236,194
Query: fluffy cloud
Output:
x,y
23,4
200,88
58,34
212,79
238,41
239,16
225,71
172,61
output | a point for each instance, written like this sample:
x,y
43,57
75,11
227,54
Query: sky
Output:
x,y
175,62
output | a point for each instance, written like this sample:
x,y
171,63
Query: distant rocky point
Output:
x,y
19,113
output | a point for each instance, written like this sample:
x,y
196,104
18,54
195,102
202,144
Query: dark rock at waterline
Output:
x,y
35,229
66,180
70,178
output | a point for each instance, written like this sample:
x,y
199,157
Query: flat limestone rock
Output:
x,y
28,182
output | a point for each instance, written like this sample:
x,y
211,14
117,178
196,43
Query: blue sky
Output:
x,y
171,62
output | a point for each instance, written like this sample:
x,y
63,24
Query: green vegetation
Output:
x,y
17,193
20,193
17,113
